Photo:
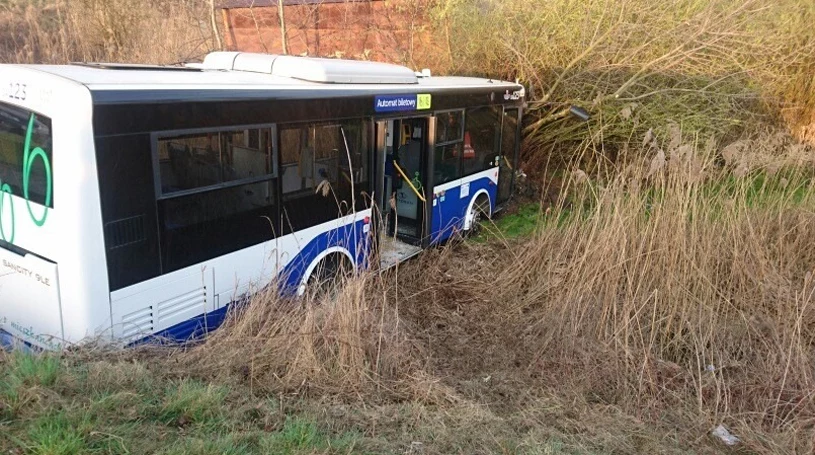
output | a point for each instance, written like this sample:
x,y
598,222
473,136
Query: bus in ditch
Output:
x,y
140,201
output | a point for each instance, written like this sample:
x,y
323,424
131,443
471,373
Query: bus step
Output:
x,y
393,251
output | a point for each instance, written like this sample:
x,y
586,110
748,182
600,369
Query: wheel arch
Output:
x,y
468,217
334,250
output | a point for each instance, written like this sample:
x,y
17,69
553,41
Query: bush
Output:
x,y
716,67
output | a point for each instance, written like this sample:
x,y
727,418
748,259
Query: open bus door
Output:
x,y
401,179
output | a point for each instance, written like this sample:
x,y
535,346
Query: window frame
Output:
x,y
339,123
158,135
498,112
442,145
463,112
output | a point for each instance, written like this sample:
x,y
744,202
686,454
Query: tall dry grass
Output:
x,y
143,31
689,286
679,290
346,340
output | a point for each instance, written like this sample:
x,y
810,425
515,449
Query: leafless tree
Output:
x,y
215,24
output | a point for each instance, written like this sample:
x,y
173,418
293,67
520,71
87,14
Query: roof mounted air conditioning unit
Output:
x,y
323,70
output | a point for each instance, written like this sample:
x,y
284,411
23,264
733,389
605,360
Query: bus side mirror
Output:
x,y
580,113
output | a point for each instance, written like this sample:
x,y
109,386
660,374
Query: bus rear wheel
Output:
x,y
479,212
329,274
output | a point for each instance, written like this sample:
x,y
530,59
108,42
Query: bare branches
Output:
x,y
282,18
214,24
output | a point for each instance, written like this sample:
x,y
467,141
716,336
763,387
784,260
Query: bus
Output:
x,y
140,201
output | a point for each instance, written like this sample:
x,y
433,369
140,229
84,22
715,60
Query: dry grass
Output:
x,y
675,295
719,67
349,341
144,31
676,291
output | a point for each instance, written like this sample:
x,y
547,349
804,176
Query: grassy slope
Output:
x,y
497,372
506,387
51,405
68,405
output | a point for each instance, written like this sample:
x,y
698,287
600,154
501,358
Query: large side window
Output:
x,y
206,159
320,164
480,140
26,171
218,194
449,146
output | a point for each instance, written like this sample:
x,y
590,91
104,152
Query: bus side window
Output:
x,y
481,133
126,183
449,147
218,193
291,142
315,171
199,160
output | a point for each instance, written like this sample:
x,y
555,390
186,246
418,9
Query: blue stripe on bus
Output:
x,y
9,342
292,276
448,214
448,217
189,330
357,245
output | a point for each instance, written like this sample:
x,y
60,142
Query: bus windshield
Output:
x,y
25,156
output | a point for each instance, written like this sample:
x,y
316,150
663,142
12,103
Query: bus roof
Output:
x,y
240,75
100,78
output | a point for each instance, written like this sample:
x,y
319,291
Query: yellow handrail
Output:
x,y
404,176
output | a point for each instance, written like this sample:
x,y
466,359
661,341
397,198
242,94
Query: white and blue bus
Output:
x,y
138,201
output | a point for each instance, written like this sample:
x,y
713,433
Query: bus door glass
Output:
x,y
507,161
405,162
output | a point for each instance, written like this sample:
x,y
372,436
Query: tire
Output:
x,y
479,212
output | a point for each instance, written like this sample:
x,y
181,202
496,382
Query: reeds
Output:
x,y
688,283
344,339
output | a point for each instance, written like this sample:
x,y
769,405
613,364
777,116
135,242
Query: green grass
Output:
x,y
192,402
67,406
55,406
303,436
521,223
58,433
32,370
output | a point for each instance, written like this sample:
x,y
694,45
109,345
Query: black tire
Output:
x,y
329,274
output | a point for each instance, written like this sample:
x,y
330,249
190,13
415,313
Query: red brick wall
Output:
x,y
395,31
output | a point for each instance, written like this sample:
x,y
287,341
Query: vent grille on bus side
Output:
x,y
126,231
137,324
164,315
180,305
